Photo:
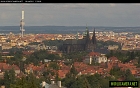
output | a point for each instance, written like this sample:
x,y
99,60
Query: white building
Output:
x,y
99,59
95,57
88,59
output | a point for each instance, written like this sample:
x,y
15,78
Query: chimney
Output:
x,y
90,60
43,83
59,84
52,82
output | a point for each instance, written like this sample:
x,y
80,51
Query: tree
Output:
x,y
80,82
68,81
73,71
12,75
6,79
32,81
128,76
116,72
70,78
20,83
75,56
54,65
40,55
46,76
9,77
1,82
104,83
51,57
94,80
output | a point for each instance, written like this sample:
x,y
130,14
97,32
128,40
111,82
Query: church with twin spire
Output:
x,y
86,44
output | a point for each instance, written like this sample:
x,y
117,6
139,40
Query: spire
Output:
x,y
87,31
87,39
86,27
77,36
94,37
94,32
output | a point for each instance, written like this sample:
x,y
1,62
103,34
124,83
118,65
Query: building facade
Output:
x,y
95,57
85,44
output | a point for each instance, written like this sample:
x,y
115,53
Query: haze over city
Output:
x,y
71,14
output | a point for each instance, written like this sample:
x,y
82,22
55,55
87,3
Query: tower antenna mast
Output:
x,y
22,22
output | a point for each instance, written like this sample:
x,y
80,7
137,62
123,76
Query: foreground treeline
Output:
x,y
11,81
72,80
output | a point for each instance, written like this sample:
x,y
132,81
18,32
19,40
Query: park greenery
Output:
x,y
125,56
105,44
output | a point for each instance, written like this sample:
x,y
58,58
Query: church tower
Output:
x,y
87,40
90,43
93,40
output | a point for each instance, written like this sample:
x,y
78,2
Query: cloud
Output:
x,y
3,15
71,14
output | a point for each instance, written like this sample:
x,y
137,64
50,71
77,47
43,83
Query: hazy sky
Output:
x,y
71,14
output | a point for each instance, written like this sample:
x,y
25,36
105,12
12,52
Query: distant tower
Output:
x,y
77,36
90,43
22,24
87,40
94,40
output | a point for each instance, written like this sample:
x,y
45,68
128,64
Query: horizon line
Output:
x,y
69,26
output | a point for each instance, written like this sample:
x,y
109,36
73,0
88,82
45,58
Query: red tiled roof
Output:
x,y
36,68
133,71
15,67
62,73
79,64
127,66
5,66
94,54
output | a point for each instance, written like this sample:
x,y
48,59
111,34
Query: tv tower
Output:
x,y
22,24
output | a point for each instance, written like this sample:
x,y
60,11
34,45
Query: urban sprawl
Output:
x,y
90,63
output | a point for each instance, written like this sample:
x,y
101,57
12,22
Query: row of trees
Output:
x,y
38,56
27,81
75,56
35,58
72,80
102,44
30,81
96,80
125,56
11,81
117,73
85,81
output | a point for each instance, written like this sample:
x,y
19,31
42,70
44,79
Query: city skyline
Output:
x,y
71,14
